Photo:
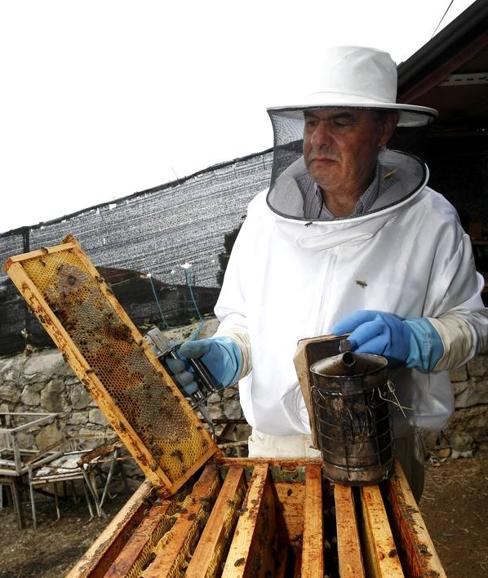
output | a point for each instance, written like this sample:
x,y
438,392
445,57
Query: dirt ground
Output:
x,y
454,507
51,550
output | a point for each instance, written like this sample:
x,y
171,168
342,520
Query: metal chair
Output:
x,y
85,466
64,468
92,464
17,461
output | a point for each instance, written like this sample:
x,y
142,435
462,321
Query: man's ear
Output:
x,y
390,122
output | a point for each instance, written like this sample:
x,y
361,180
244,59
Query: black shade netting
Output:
x,y
151,246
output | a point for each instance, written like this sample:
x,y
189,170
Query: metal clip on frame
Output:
x,y
206,385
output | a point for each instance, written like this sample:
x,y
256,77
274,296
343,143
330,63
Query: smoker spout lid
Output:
x,y
349,364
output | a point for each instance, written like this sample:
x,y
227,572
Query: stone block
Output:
x,y
30,396
181,333
36,386
461,441
472,393
215,411
78,396
26,440
243,431
459,374
10,392
230,392
478,366
62,368
78,418
431,439
132,470
52,396
459,386
11,368
38,380
444,453
90,433
96,416
233,410
209,327
42,362
49,436
455,454
214,398
472,421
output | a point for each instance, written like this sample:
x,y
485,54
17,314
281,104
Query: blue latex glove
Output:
x,y
414,342
221,356
184,378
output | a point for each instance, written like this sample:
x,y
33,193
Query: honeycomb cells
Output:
x,y
134,385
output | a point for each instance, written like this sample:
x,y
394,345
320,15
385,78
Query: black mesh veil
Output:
x,y
288,141
401,174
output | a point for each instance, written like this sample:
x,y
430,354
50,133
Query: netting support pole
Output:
x,y
27,314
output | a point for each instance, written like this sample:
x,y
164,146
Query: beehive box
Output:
x,y
265,519
200,514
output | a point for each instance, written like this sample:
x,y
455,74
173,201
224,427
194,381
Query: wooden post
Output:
x,y
254,552
176,546
313,538
136,552
348,542
209,555
381,551
417,548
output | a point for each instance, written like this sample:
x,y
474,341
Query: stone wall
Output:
x,y
43,382
468,427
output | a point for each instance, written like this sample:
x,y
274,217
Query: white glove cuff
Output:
x,y
457,338
241,337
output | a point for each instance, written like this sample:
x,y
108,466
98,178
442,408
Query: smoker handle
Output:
x,y
203,375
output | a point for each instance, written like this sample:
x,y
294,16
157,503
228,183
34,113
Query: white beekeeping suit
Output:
x,y
400,255
288,279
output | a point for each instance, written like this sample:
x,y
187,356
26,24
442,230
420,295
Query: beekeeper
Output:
x,y
348,238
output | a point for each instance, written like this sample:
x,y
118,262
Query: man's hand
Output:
x,y
220,355
184,378
414,342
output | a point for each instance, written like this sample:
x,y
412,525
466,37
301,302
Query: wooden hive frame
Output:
x,y
24,272
268,518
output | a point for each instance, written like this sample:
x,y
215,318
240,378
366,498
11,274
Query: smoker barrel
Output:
x,y
351,406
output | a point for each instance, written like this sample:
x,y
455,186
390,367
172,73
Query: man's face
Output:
x,y
340,147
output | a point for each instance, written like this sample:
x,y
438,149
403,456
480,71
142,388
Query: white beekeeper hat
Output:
x,y
357,77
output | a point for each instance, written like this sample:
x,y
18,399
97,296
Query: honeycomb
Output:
x,y
113,350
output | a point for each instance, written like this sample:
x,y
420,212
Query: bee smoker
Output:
x,y
351,406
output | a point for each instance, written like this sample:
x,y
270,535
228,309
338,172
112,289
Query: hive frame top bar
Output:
x,y
230,529
110,356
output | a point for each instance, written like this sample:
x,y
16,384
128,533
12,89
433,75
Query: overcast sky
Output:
x,y
103,98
